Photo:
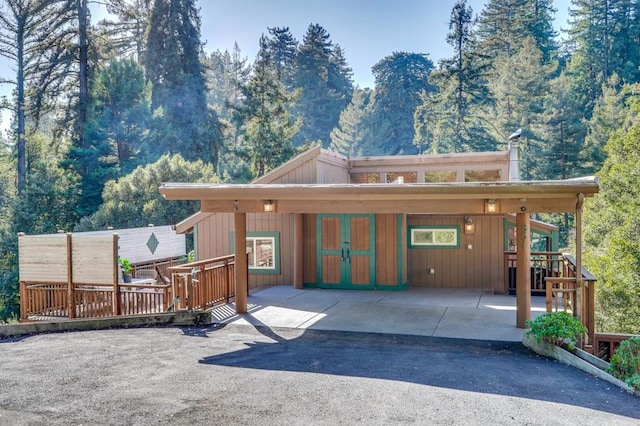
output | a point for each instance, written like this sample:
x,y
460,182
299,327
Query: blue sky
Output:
x,y
368,30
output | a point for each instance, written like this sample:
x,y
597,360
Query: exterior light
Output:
x,y
269,206
469,226
491,206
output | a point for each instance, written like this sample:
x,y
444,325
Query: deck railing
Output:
x,y
203,284
54,301
543,264
553,275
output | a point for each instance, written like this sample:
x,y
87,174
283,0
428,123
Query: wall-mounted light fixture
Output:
x,y
469,226
491,206
269,206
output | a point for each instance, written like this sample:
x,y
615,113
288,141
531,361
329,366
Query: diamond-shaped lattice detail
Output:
x,y
153,243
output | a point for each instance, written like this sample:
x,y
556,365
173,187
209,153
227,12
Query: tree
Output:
x,y
134,200
117,129
399,80
612,246
185,124
263,117
349,137
33,36
604,34
504,25
282,47
325,86
519,88
126,35
610,113
463,98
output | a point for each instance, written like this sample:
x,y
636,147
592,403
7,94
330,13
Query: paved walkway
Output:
x,y
456,313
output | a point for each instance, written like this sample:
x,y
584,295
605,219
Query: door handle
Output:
x,y
348,256
342,256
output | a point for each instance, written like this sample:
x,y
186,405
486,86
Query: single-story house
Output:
x,y
329,221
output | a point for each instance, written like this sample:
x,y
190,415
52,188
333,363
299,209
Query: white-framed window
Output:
x,y
263,252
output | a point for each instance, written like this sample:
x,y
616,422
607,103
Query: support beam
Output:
x,y
242,267
523,269
579,282
298,251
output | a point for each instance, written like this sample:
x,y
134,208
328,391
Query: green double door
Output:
x,y
346,251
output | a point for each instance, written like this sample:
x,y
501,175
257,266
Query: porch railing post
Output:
x,y
23,300
116,281
188,289
71,296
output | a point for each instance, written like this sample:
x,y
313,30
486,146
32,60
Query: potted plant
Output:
x,y
126,269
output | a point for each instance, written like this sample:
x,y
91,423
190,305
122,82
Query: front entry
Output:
x,y
346,251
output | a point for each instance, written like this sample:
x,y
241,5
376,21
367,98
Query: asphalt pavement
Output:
x,y
242,374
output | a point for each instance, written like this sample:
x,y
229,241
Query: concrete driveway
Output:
x,y
240,374
437,312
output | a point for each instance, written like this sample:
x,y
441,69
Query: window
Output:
x,y
482,175
434,236
365,177
407,177
263,252
260,251
440,176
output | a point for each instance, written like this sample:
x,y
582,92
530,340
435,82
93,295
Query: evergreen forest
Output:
x,y
103,112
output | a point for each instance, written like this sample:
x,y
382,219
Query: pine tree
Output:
x,y
459,106
504,25
185,124
610,114
558,152
354,128
519,88
34,37
399,81
126,34
263,117
611,228
282,47
322,97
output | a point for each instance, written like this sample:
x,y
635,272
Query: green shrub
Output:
x,y
625,363
556,328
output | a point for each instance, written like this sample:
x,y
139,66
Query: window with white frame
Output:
x,y
261,251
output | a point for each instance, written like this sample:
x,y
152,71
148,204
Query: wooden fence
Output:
x,y
68,276
605,344
204,284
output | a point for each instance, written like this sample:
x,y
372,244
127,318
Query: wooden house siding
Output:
x,y
387,249
480,266
309,247
213,240
305,173
329,172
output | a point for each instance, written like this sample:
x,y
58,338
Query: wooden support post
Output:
x,y
523,269
116,275
242,266
298,251
71,296
579,309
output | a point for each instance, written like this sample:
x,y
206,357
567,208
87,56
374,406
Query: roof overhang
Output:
x,y
442,198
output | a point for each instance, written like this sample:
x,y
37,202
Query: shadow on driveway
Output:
x,y
501,368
